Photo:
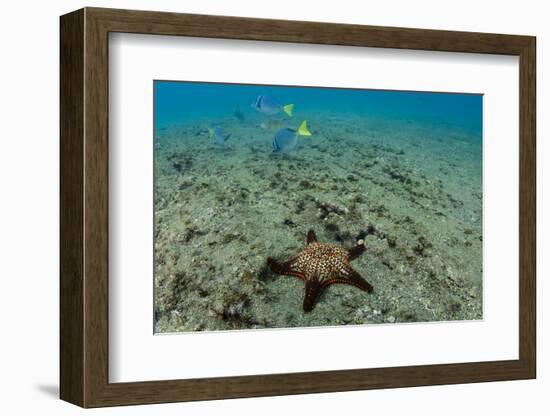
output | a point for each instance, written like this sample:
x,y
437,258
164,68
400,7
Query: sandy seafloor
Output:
x,y
412,191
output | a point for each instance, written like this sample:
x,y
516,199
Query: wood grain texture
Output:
x,y
96,209
84,207
71,208
527,207
162,23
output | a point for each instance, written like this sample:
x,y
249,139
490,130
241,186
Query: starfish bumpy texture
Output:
x,y
320,265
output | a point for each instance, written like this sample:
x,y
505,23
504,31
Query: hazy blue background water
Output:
x,y
177,102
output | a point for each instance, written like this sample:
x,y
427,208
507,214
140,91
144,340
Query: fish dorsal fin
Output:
x,y
303,130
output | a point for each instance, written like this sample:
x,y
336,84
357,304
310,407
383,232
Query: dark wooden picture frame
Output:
x,y
84,207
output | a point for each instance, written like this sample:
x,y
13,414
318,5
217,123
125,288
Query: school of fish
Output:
x,y
285,138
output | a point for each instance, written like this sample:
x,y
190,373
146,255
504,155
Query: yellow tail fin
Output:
x,y
288,109
210,132
303,130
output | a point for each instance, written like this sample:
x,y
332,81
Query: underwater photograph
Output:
x,y
295,207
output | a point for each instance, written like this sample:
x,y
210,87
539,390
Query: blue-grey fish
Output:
x,y
286,138
268,105
216,133
272,124
238,114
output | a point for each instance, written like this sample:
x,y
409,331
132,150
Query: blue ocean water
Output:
x,y
177,102
398,171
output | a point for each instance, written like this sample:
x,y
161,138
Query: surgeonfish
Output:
x,y
286,138
238,114
271,124
216,133
268,105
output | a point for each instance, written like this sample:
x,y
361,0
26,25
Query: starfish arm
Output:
x,y
313,290
286,268
311,237
356,251
350,277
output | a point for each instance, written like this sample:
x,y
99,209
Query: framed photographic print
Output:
x,y
255,207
